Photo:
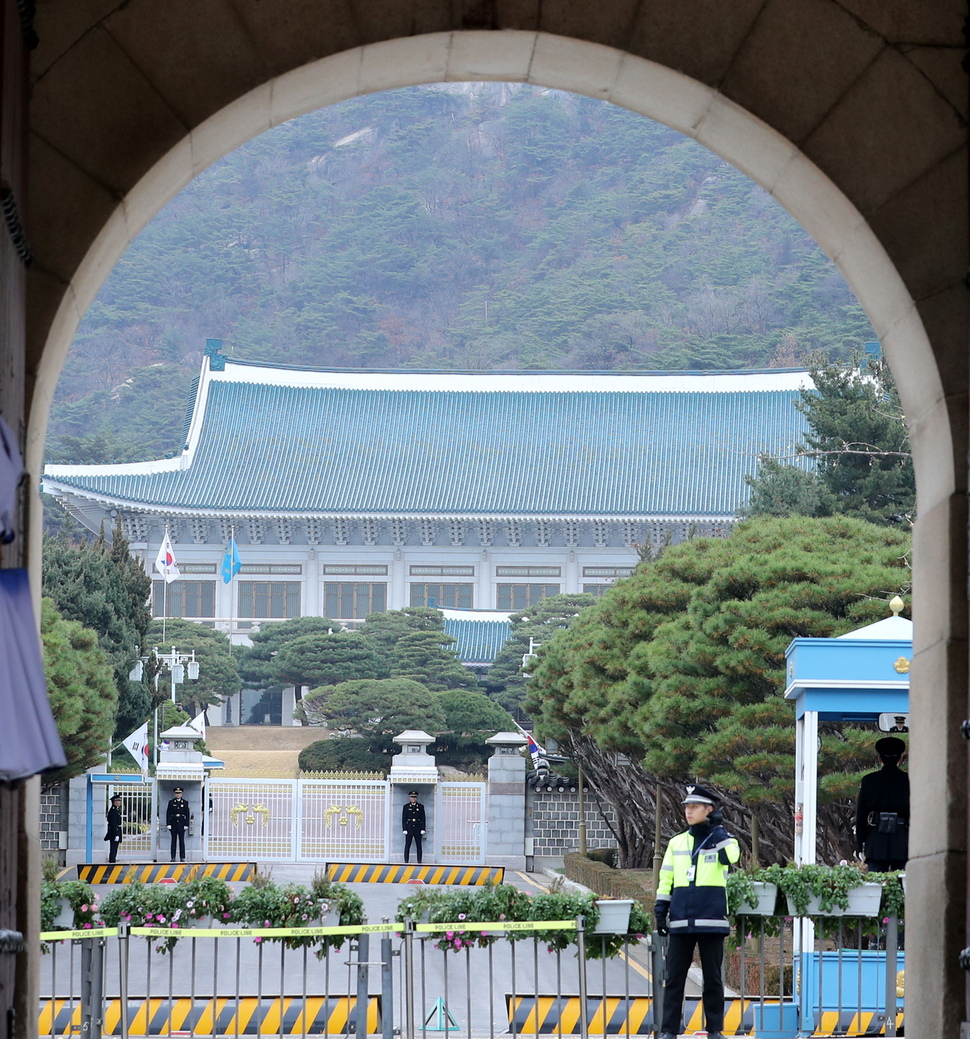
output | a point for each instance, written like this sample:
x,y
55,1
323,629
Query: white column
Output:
x,y
398,594
289,702
484,588
313,603
571,573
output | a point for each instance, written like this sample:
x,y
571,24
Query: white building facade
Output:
x,y
355,492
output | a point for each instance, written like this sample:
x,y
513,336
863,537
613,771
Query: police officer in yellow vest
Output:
x,y
692,908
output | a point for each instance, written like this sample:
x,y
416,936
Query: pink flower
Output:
x,y
84,909
148,916
87,925
257,940
225,916
449,935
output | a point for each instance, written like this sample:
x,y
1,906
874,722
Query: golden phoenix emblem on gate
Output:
x,y
251,814
344,813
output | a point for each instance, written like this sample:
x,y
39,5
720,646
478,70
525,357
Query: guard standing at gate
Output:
x,y
414,825
692,908
113,836
177,820
882,813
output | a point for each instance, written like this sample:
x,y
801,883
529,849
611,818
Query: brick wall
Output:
x,y
552,821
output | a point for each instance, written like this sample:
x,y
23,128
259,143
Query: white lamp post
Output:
x,y
177,664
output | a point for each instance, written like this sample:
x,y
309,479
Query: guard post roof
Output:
x,y
560,445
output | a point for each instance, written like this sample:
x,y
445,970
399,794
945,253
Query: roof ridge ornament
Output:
x,y
896,604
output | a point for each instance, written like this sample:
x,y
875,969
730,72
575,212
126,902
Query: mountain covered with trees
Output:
x,y
490,226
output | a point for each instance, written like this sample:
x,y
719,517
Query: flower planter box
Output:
x,y
65,918
614,916
767,895
863,901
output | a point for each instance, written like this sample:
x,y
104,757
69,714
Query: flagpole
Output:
x,y
232,606
164,589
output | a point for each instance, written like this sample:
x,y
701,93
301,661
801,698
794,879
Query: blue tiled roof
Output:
x,y
585,451
479,640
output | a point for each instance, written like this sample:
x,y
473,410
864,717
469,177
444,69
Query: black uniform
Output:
x,y
414,825
177,820
113,836
882,818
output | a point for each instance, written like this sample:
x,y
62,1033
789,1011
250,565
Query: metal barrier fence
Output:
x,y
459,979
828,976
387,979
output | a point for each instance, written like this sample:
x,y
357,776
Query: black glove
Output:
x,y
716,818
661,910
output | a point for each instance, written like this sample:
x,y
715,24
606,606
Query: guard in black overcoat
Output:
x,y
177,820
414,825
113,836
882,815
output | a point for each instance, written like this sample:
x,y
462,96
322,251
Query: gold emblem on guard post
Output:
x,y
902,666
343,813
250,819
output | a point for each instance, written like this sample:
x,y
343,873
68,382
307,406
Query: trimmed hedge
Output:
x,y
604,880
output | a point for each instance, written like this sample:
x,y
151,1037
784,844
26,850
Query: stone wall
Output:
x,y
53,816
552,821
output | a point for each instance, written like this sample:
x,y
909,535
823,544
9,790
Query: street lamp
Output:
x,y
178,664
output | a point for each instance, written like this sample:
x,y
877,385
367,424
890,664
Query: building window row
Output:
x,y
343,600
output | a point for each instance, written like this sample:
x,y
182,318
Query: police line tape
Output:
x,y
501,925
220,932
307,932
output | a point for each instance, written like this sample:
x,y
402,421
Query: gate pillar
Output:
x,y
506,801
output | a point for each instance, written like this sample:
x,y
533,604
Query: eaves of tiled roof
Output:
x,y
287,442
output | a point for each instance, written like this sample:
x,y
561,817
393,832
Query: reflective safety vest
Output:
x,y
693,879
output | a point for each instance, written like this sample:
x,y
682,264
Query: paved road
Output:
x,y
472,984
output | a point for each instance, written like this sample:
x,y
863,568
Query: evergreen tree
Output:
x,y
681,666
414,643
102,590
319,660
470,719
505,679
376,710
257,663
81,689
860,445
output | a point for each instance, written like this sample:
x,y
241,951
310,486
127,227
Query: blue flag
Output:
x,y
230,562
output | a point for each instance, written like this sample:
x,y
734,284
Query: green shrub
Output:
x,y
342,754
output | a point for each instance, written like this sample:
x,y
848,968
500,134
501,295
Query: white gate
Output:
x,y
137,812
459,825
298,820
252,819
345,820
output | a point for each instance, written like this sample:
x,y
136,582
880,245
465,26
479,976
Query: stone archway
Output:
x,y
881,230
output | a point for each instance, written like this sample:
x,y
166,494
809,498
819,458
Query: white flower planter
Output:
x,y
767,894
65,918
863,901
614,916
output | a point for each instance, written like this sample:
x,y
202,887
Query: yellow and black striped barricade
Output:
x,y
272,1015
429,873
152,872
615,1014
852,1023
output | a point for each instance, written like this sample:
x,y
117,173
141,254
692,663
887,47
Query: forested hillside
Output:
x,y
486,227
